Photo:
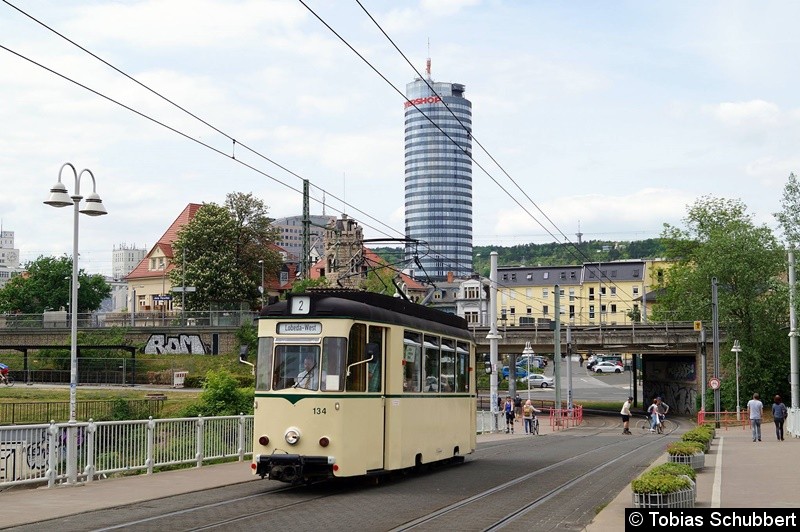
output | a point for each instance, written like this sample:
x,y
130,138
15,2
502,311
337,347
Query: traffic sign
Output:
x,y
183,289
162,298
714,383
698,325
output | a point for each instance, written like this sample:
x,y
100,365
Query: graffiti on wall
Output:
x,y
673,378
181,344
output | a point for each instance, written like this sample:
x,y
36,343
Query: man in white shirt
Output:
x,y
308,377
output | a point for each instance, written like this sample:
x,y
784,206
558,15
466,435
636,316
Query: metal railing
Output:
x,y
143,318
37,454
44,412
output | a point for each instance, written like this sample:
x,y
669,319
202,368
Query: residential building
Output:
x,y
123,260
590,294
148,284
438,177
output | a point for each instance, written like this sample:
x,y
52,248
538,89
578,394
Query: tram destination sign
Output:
x,y
300,328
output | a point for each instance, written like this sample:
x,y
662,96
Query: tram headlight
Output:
x,y
324,441
292,436
263,440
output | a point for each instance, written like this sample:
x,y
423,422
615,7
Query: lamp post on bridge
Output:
x,y
737,349
59,197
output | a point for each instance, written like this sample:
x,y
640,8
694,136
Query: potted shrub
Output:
x,y
687,452
700,435
658,489
680,470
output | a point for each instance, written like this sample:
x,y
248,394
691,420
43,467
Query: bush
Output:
x,y
655,482
674,468
685,448
221,396
699,435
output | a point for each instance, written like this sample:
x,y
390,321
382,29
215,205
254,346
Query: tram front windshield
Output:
x,y
309,366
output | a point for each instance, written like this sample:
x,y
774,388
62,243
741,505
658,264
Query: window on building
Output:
x,y
591,312
635,291
513,276
529,293
613,273
613,309
636,273
563,275
546,275
512,309
591,294
572,312
602,290
529,276
571,275
545,293
613,291
545,310
572,294
529,311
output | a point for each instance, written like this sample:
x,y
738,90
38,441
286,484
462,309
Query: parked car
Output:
x,y
537,379
607,367
521,372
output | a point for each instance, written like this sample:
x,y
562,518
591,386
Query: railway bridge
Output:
x,y
669,358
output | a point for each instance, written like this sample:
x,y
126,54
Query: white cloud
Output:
x,y
753,113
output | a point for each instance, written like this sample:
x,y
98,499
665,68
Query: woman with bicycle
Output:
x,y
529,416
655,419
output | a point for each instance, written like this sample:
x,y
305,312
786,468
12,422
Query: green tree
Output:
x,y
304,284
47,286
218,252
789,217
722,241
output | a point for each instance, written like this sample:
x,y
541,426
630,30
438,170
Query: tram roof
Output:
x,y
371,306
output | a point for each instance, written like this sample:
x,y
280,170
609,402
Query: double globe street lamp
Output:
x,y
59,197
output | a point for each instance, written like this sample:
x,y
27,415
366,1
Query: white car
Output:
x,y
607,367
537,379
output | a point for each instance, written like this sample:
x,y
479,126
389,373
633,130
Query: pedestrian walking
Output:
x,y
580,360
755,407
528,415
626,415
508,410
779,414
652,411
517,408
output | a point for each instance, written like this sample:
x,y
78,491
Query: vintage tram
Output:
x,y
352,383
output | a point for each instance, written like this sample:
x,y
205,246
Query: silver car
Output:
x,y
537,379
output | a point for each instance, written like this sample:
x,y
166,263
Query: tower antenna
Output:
x,y
428,62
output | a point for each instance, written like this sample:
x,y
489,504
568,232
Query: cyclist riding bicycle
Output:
x,y
3,372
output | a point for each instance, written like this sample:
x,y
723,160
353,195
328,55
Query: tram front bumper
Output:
x,y
294,468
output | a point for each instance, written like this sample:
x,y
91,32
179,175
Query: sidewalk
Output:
x,y
738,473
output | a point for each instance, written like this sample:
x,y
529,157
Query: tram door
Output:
x,y
365,374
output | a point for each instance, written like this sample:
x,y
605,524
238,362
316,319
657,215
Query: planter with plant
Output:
x,y
699,435
687,452
660,488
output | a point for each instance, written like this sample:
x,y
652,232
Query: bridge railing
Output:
x,y
144,318
37,454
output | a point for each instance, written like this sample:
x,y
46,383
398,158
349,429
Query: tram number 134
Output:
x,y
319,411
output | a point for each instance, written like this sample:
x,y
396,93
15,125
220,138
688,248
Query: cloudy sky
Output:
x,y
610,116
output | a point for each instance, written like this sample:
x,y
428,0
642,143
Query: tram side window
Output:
x,y
264,363
412,354
357,352
431,365
462,367
447,378
296,366
375,350
334,356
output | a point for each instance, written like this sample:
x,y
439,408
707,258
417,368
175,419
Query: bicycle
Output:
x,y
8,380
644,426
535,426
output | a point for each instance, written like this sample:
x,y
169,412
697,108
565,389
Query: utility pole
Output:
x,y
557,351
569,368
493,336
715,341
793,374
306,245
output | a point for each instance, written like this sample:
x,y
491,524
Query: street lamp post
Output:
x,y
261,288
528,353
737,349
94,207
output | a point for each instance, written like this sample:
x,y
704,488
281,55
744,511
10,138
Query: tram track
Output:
x,y
431,520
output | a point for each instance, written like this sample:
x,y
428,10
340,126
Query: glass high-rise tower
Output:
x,y
438,171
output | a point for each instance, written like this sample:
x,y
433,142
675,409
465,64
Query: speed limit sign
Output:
x,y
714,383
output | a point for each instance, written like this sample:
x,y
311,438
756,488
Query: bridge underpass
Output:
x,y
672,354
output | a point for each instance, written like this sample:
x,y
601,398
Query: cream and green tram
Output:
x,y
352,383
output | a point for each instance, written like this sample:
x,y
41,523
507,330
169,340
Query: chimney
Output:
x,y
449,277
